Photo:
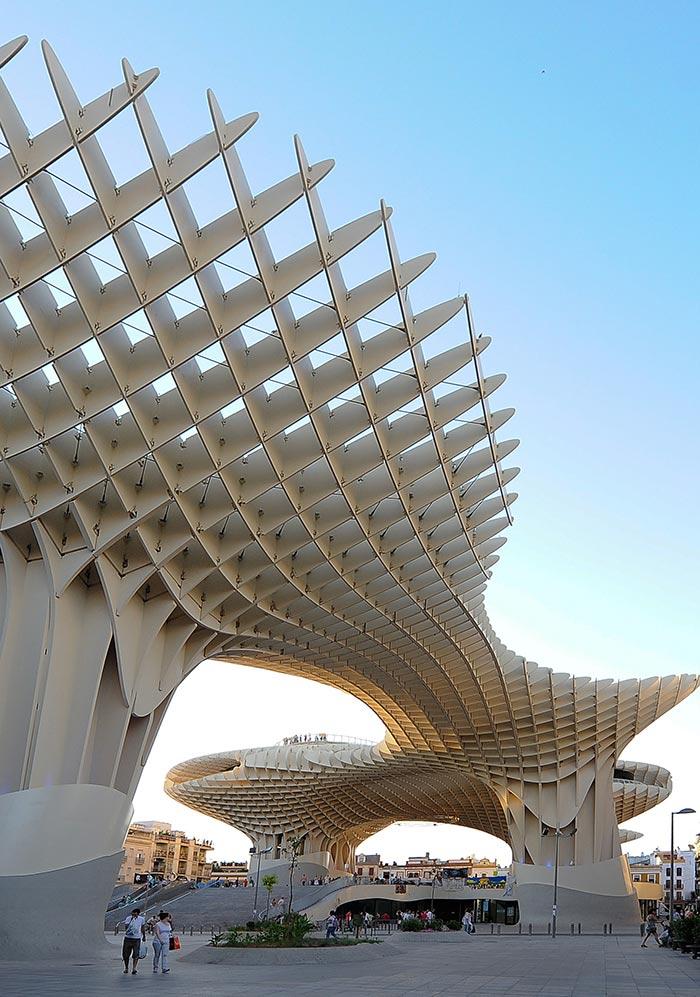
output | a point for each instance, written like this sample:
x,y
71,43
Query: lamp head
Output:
x,y
685,810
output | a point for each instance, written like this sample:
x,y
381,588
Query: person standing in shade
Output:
x,y
135,934
467,922
161,941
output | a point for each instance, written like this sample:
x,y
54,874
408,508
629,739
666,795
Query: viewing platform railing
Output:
x,y
324,739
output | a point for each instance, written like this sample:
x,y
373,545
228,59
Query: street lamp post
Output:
x,y
671,902
259,852
557,835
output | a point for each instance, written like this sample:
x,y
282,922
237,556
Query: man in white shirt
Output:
x,y
135,934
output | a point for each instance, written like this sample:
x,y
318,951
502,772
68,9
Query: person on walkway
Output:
x,y
161,941
135,934
331,926
651,930
467,922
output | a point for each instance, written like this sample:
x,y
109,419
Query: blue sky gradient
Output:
x,y
549,153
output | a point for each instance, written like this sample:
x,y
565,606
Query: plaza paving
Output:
x,y
450,965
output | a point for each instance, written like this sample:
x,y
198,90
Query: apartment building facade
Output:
x,y
153,848
424,868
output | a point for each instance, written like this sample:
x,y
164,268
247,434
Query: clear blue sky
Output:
x,y
549,154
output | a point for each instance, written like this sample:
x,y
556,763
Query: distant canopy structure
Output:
x,y
270,464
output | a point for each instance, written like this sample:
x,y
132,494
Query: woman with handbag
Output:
x,y
162,933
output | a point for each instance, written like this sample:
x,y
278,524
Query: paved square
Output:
x,y
450,965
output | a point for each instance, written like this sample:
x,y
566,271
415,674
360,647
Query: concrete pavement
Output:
x,y
448,965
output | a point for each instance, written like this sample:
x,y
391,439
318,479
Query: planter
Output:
x,y
308,955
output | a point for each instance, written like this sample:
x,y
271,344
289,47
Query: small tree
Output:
x,y
294,848
269,881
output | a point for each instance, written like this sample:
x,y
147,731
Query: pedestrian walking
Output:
x,y
651,930
162,933
331,926
135,935
467,922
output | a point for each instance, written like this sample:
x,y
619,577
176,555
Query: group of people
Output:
x,y
304,738
426,916
360,922
134,947
659,928
365,921
656,928
274,911
315,880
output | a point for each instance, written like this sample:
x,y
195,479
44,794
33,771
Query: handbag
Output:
x,y
174,942
143,950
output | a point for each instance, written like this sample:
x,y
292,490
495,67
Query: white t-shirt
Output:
x,y
134,926
162,931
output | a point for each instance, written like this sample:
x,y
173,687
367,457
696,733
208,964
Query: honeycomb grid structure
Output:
x,y
269,476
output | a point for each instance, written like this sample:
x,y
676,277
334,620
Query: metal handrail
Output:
x,y
307,738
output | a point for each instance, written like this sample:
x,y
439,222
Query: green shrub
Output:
x,y
295,926
411,924
453,925
289,932
230,938
436,924
686,930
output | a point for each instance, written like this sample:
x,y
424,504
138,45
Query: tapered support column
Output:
x,y
85,678
61,851
594,884
320,855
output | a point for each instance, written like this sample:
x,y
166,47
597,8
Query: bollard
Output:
x,y
605,929
529,929
610,929
520,929
191,931
572,927
491,929
549,927
579,927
